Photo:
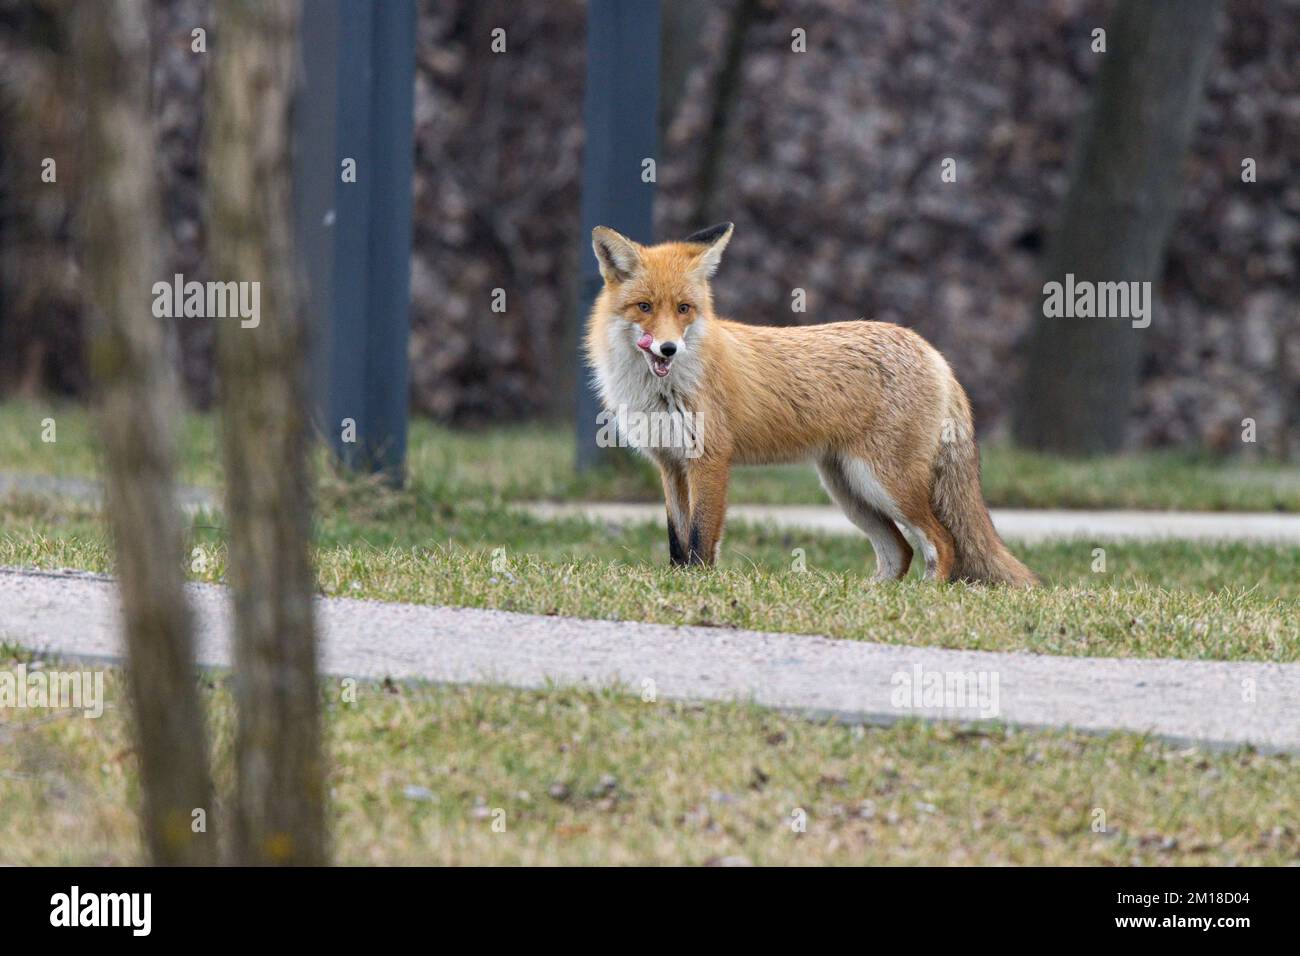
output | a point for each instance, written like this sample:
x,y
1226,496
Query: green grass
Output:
x,y
425,774
1166,599
75,453
525,462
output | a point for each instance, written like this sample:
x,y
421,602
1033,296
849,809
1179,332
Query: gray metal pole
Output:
x,y
355,236
620,109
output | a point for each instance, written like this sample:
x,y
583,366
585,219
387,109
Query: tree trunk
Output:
x,y
280,816
138,395
682,24
726,91
1081,373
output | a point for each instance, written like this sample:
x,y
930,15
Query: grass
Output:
x,y
1156,599
488,465
25,448
426,774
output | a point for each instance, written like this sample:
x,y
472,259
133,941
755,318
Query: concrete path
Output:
x,y
1208,703
1021,525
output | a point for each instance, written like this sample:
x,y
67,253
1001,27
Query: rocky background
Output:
x,y
828,161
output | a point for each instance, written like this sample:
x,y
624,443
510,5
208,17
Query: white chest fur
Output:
x,y
652,414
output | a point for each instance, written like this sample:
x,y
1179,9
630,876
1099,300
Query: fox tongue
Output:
x,y
645,341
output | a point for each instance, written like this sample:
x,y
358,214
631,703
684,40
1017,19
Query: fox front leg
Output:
x,y
677,501
707,478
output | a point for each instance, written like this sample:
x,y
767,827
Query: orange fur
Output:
x,y
874,405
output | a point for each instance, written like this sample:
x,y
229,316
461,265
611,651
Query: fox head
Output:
x,y
657,294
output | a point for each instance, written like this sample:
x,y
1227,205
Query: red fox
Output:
x,y
874,405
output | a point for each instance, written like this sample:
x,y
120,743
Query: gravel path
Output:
x,y
1210,703
1019,524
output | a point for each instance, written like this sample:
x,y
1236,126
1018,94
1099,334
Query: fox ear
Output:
x,y
706,237
716,238
619,256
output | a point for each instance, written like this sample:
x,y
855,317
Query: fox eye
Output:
x,y
684,308
643,306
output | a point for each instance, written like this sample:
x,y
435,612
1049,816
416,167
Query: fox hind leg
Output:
x,y
893,553
905,499
936,543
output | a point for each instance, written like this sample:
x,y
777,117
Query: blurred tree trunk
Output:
x,y
280,817
138,395
725,92
681,26
1081,373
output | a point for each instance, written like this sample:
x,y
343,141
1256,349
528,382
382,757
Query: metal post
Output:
x,y
620,109
354,238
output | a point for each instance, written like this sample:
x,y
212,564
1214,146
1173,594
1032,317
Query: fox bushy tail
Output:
x,y
958,502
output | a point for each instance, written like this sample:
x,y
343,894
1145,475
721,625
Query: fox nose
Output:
x,y
668,349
